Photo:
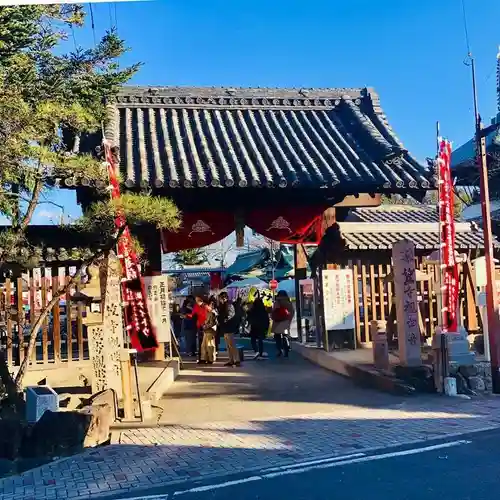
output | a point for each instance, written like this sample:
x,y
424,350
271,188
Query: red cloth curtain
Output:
x,y
199,229
284,224
288,224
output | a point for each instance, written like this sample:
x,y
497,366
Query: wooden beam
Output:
x,y
300,264
362,200
470,297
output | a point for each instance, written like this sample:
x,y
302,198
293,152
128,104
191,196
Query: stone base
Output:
x,y
472,379
458,347
419,377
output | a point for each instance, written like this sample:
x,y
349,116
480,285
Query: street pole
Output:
x,y
492,312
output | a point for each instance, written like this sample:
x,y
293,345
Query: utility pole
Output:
x,y
492,311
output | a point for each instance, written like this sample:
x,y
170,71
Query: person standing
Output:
x,y
240,313
215,309
228,326
199,315
189,325
282,315
209,327
258,319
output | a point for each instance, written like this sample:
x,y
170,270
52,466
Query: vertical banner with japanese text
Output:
x,y
158,305
447,239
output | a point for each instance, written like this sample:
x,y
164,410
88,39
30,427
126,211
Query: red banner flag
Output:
x,y
447,222
137,319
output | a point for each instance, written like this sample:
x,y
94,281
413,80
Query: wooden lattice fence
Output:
x,y
63,335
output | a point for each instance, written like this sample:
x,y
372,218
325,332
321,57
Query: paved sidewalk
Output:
x,y
173,453
304,413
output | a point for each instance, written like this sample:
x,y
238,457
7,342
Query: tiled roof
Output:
x,y
394,214
464,157
194,270
372,240
380,227
52,243
174,137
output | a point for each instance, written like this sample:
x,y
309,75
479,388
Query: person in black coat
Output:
x,y
259,326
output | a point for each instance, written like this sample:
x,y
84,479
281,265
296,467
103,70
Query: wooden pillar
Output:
x,y
329,218
300,265
128,397
300,262
150,240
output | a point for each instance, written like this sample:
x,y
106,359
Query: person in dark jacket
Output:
x,y
240,313
227,325
258,318
189,325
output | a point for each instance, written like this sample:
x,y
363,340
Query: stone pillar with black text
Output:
x,y
106,339
405,287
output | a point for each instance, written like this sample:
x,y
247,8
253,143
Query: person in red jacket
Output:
x,y
200,316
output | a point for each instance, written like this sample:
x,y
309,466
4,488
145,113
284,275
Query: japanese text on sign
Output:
x,y
338,299
405,284
157,293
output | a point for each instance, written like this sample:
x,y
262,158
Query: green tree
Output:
x,y
48,101
462,199
191,257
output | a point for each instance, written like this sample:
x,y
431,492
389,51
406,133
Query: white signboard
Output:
x,y
338,299
405,287
157,292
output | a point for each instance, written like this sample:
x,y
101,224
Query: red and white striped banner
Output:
x,y
136,313
449,274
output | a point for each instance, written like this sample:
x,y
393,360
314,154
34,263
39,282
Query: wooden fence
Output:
x,y
374,298
63,335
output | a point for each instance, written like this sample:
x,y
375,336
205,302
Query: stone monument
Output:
x,y
106,339
405,287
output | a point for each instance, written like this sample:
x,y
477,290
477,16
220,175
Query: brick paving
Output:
x,y
203,447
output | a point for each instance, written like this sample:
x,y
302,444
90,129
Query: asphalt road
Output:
x,y
460,468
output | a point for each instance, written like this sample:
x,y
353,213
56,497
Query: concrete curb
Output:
x,y
360,375
164,381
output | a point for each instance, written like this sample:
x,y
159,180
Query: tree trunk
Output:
x,y
33,334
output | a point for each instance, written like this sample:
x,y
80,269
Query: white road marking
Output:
x,y
306,467
413,451
210,487
370,458
312,462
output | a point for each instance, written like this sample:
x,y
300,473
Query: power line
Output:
x,y
92,23
110,16
116,17
466,29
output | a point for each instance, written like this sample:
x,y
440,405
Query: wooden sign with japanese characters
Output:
x,y
158,305
338,299
405,286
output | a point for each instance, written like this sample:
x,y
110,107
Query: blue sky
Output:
x,y
411,52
